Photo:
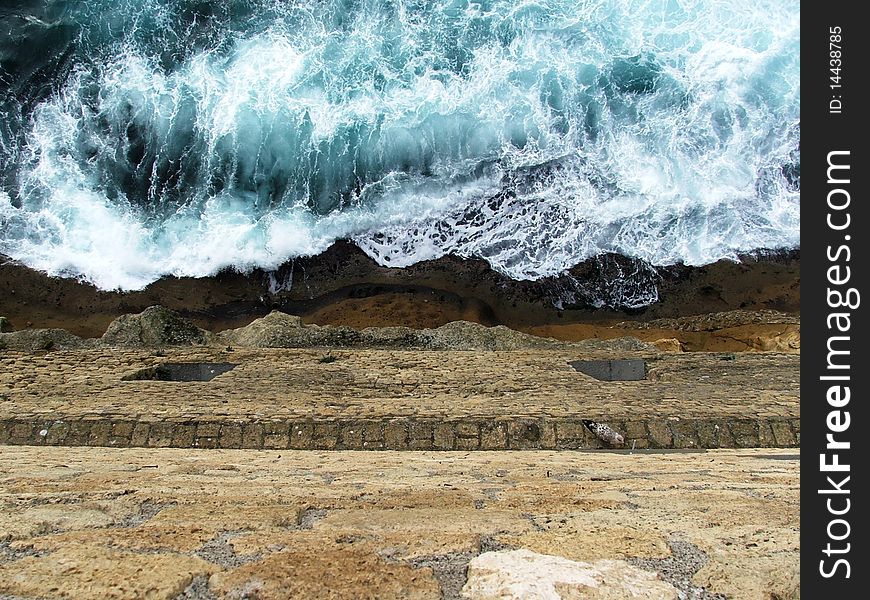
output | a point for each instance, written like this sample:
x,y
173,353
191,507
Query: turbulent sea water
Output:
x,y
141,138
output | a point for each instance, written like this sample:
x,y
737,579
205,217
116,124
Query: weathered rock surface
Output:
x,y
335,574
621,344
789,340
43,340
280,330
84,572
158,326
154,326
668,345
464,335
275,330
715,321
88,523
387,398
526,575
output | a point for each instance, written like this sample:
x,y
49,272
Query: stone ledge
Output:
x,y
500,433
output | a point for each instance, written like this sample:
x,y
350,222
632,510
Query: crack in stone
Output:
x,y
678,569
197,590
221,553
451,570
309,516
147,510
9,554
534,521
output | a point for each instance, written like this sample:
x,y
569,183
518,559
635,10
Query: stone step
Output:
x,y
212,397
404,434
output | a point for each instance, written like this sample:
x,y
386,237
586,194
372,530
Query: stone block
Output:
x,y
571,435
326,436
783,434
467,429
302,436
252,435
548,434
373,431
139,437
707,434
396,435
660,435
766,438
493,436
57,433
276,438
635,430
20,432
123,429
523,435
421,444
208,429
328,429
351,436
467,443
685,434
443,436
78,433
99,433
230,436
745,432
723,434
184,435
161,435
420,430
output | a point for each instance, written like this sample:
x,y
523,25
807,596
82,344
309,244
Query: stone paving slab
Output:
x,y
167,524
390,399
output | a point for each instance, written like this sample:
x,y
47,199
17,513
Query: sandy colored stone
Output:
x,y
541,497
522,574
777,578
668,345
596,541
335,573
406,497
88,572
220,515
48,519
738,507
293,386
146,537
397,545
417,521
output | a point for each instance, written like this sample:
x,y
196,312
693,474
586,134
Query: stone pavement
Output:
x,y
169,524
396,399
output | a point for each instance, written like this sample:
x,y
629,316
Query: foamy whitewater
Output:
x,y
142,138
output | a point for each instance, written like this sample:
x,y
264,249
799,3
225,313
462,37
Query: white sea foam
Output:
x,y
533,135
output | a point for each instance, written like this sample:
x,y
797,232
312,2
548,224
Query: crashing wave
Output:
x,y
143,138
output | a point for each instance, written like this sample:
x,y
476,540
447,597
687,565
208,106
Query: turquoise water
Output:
x,y
152,137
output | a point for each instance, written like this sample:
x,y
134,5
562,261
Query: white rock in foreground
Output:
x,y
529,575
